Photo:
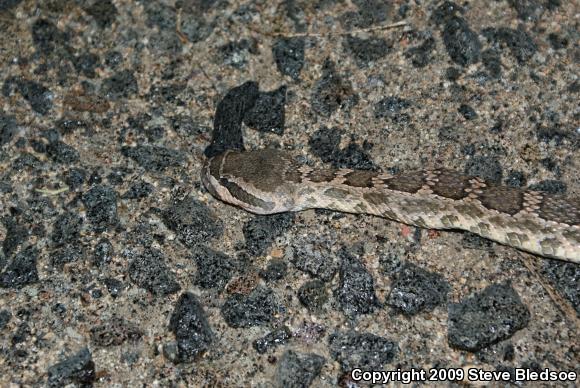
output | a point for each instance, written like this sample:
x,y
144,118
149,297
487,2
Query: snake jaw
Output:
x,y
230,190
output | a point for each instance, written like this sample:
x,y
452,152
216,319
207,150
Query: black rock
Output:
x,y
289,56
214,269
298,370
76,369
261,231
462,43
192,331
274,338
155,158
331,92
313,294
258,308
66,228
148,270
415,290
267,114
355,293
361,350
120,85
101,205
191,221
486,318
366,50
21,270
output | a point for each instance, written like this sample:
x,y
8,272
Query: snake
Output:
x,y
270,181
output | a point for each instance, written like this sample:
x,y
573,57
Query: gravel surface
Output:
x,y
118,268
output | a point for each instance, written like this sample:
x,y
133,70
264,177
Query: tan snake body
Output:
x,y
271,181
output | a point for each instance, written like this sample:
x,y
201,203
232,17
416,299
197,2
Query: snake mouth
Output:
x,y
206,179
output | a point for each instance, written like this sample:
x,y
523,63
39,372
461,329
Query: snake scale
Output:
x,y
270,181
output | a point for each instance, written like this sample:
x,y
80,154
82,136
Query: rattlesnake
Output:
x,y
270,181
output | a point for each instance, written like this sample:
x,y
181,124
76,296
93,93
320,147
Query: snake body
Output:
x,y
271,181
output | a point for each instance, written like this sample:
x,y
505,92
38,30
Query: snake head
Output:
x,y
254,181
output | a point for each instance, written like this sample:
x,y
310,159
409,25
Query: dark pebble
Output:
x,y
258,308
421,56
467,112
192,222
5,317
550,186
557,41
86,64
8,128
149,271
521,45
289,56
62,153
103,11
114,286
138,190
114,332
21,270
492,62
313,295
101,207
473,241
445,11
75,177
66,228
369,12
76,369
355,293
46,37
331,92
462,43
26,160
191,328
237,53
214,269
365,51
361,350
103,252
155,158
5,5
565,277
275,270
66,254
298,370
486,318
391,108
261,231
271,340
527,10
120,85
16,234
515,179
113,59
67,126
38,96
452,73
485,167
416,290
267,114
318,262
324,143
